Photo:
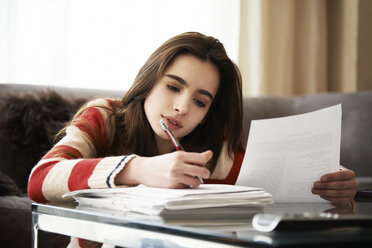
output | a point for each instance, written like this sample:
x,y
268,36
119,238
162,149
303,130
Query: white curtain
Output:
x,y
101,43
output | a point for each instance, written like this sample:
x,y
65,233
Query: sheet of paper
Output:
x,y
285,156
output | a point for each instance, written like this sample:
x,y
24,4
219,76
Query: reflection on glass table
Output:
x,y
129,229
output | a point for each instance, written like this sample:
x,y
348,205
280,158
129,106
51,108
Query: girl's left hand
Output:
x,y
339,187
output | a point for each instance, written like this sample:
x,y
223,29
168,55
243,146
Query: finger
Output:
x,y
189,181
339,201
344,174
349,193
188,169
342,209
170,183
182,181
196,171
176,186
208,154
195,158
337,185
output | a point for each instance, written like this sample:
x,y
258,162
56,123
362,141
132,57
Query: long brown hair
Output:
x,y
223,120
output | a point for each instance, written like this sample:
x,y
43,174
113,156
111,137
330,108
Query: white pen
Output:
x,y
175,142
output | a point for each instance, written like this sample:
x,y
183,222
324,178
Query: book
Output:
x,y
206,201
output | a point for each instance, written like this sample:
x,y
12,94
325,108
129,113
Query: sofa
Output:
x,y
32,114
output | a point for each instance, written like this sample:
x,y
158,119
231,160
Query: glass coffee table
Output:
x,y
302,224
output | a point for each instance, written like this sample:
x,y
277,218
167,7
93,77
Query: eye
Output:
x,y
199,103
173,88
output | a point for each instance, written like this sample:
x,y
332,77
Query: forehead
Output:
x,y
195,72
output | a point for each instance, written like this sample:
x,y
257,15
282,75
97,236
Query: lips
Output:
x,y
172,122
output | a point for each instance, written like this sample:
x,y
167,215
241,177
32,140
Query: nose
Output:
x,y
181,105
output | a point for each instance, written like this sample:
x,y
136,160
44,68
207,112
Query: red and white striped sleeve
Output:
x,y
77,161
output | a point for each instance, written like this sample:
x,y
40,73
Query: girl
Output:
x,y
192,85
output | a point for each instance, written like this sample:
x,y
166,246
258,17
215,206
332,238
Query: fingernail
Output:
x,y
323,178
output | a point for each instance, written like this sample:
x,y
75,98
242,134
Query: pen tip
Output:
x,y
163,124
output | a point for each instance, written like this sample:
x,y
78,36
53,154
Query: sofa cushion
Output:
x,y
15,219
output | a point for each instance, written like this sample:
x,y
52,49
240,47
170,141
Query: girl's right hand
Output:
x,y
172,170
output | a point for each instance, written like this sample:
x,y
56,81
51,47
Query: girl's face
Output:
x,y
181,97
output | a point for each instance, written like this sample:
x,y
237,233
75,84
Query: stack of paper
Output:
x,y
217,200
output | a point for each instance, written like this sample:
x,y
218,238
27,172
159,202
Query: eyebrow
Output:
x,y
183,82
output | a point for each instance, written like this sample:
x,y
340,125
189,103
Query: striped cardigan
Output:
x,y
78,160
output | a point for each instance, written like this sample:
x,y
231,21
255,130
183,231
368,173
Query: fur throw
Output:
x,y
8,186
28,124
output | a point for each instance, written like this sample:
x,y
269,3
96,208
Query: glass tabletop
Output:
x,y
302,223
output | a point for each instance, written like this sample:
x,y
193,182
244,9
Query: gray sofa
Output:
x,y
35,124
